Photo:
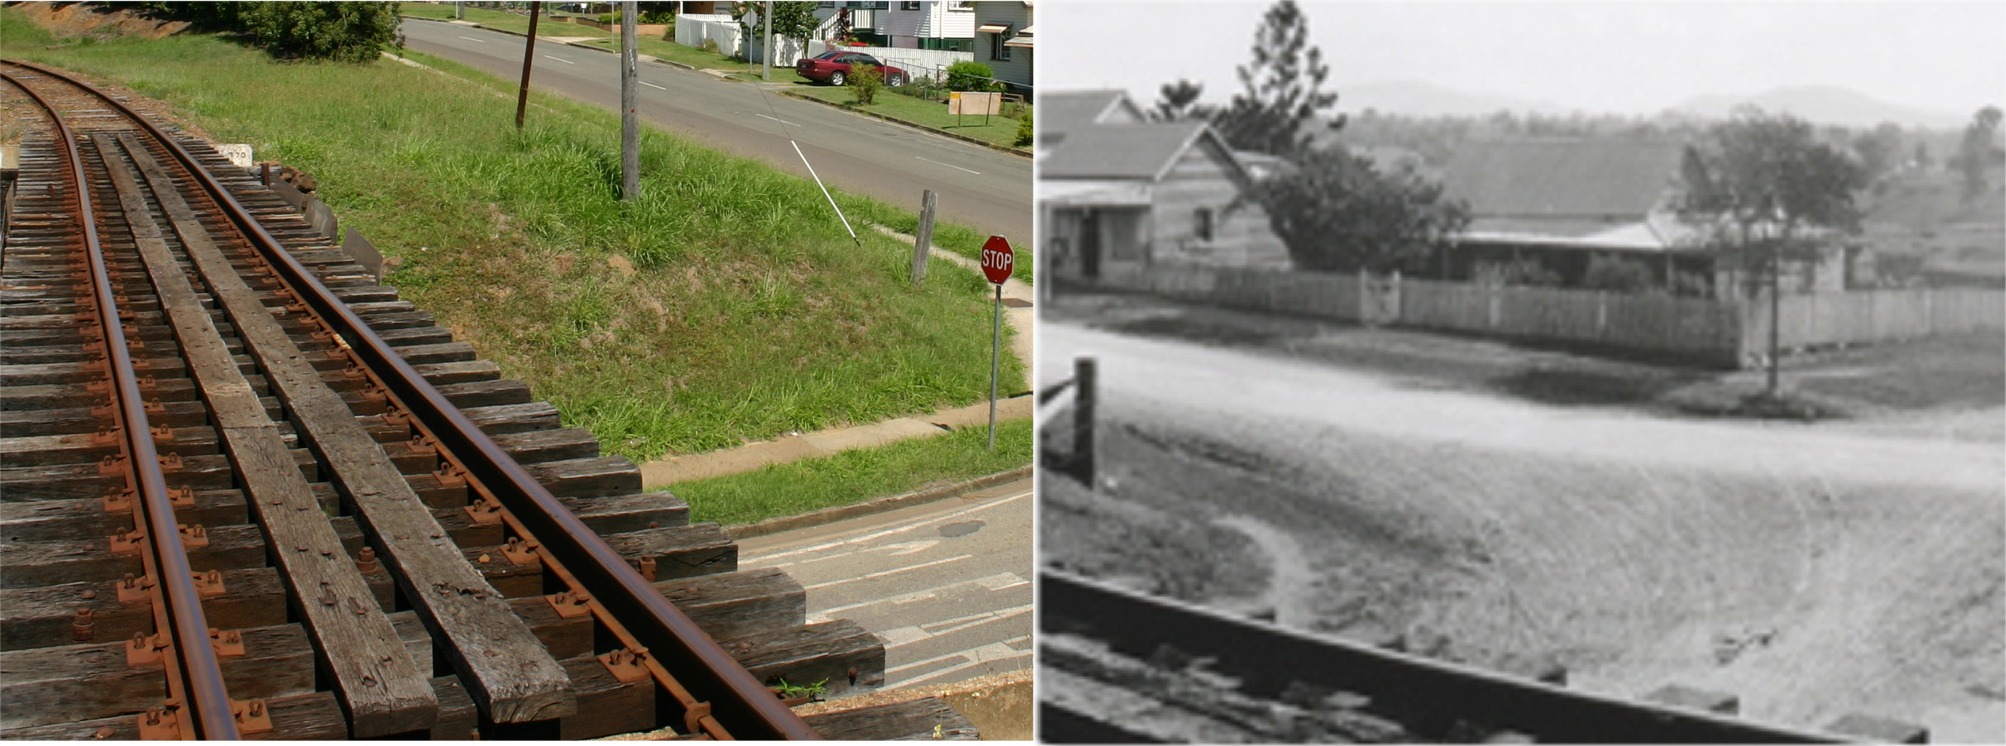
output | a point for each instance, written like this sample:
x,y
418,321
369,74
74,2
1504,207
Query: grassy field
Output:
x,y
855,476
1000,131
1631,574
709,311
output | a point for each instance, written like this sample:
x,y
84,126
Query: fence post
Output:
x,y
924,241
1083,420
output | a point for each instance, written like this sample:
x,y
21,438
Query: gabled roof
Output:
x,y
1064,111
1130,151
1562,178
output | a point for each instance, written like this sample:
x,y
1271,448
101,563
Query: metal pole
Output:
x,y
528,56
766,57
1083,419
630,125
995,364
459,10
1775,315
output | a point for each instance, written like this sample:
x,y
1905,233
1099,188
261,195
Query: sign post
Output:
x,y
998,261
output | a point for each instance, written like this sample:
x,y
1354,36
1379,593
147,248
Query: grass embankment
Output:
x,y
720,306
855,476
1000,131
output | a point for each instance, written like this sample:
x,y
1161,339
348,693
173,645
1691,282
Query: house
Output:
x,y
1119,194
1560,203
1003,36
947,25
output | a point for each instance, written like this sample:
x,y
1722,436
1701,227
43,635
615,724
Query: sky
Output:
x,y
1620,57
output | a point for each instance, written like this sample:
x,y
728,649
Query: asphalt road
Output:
x,y
978,187
946,583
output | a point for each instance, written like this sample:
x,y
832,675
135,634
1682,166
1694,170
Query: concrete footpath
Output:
x,y
1017,312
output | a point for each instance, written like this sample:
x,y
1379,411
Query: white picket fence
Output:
x,y
692,29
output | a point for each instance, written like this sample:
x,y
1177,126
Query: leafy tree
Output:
x,y
1974,154
1335,213
1024,131
969,75
1922,160
1762,183
342,32
1879,149
1180,102
795,21
1277,109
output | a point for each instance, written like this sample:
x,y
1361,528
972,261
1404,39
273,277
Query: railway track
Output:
x,y
246,491
1119,666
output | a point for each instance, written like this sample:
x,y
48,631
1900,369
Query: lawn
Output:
x,y
1000,131
855,476
711,310
497,20
668,50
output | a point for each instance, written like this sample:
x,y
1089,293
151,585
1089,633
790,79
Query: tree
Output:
x,y
1879,149
1337,214
1277,109
1974,154
1180,102
1759,186
795,21
969,75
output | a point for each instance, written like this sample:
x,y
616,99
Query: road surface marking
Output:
x,y
929,630
651,85
995,652
561,59
888,573
993,582
777,119
760,561
949,165
474,40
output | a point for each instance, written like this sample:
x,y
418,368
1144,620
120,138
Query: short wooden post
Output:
x,y
923,243
1083,419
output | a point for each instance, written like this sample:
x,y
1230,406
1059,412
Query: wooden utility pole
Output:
x,y
528,56
630,126
766,19
923,243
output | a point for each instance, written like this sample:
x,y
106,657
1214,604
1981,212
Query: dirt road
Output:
x,y
1813,571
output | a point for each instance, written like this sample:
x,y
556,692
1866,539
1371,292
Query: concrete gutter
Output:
x,y
880,505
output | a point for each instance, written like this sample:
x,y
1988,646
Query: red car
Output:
x,y
833,67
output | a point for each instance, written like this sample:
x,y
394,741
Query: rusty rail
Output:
x,y
181,635
716,688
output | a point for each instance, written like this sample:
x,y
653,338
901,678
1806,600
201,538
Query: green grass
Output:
x,y
498,20
688,55
722,305
855,476
1000,131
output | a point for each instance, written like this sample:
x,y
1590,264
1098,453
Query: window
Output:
x,y
1202,224
960,6
997,51
909,6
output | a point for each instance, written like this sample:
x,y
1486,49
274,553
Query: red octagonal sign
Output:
x,y
997,259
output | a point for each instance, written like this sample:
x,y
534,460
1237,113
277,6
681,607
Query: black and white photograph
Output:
x,y
1508,372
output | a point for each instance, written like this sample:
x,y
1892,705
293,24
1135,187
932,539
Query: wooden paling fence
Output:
x,y
1704,330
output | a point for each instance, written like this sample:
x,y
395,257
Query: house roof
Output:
x,y
1063,111
1562,178
1125,151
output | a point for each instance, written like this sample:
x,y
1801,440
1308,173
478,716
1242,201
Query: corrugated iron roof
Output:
x,y
1567,178
1060,112
1119,151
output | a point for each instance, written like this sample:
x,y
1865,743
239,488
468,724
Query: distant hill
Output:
x,y
1827,105
1416,98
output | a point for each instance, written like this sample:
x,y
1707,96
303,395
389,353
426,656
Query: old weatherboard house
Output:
x,y
1120,193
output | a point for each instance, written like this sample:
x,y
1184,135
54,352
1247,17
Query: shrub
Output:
x,y
865,81
657,16
709,45
1617,274
1024,134
607,18
342,32
969,75
1524,272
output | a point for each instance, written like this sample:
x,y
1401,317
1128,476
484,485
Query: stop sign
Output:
x,y
997,259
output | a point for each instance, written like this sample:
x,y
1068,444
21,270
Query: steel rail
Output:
x,y
194,676
703,666
1397,680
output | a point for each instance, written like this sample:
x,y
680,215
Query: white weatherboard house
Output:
x,y
1003,37
947,25
1120,193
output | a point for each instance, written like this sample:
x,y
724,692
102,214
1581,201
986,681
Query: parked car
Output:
x,y
833,67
